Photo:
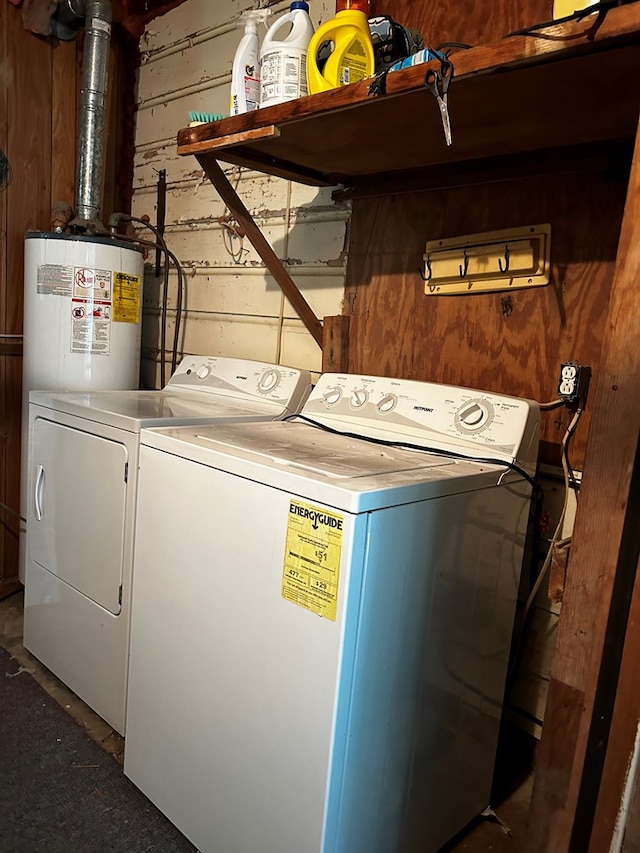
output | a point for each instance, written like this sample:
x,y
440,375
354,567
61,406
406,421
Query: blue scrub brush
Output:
x,y
196,118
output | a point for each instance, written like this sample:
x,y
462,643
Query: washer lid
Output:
x,y
347,473
133,410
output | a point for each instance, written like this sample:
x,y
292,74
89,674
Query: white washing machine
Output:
x,y
324,672
83,471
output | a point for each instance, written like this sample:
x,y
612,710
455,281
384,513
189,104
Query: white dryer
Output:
x,y
83,471
325,671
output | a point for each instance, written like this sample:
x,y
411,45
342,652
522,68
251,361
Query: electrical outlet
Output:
x,y
573,383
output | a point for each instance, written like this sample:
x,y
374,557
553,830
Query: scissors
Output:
x,y
437,82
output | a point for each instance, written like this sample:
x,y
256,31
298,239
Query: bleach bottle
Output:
x,y
352,57
283,56
245,76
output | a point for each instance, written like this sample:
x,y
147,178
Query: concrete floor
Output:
x,y
503,832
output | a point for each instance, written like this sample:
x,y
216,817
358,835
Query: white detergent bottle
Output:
x,y
283,56
245,76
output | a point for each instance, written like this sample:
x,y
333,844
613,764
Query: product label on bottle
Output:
x,y
354,64
312,558
283,76
126,298
251,87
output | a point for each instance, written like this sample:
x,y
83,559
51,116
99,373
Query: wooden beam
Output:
x,y
272,261
335,345
258,133
570,757
622,735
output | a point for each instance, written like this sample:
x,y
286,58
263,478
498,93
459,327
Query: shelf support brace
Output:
x,y
273,263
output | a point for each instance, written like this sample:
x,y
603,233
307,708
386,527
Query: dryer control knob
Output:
x,y
203,371
332,396
269,380
387,403
359,397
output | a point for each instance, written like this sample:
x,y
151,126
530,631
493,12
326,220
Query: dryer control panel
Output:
x,y
242,378
444,417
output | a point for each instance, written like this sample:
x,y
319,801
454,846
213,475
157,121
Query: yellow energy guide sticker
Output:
x,y
312,559
126,297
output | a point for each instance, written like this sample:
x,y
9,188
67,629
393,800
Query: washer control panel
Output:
x,y
462,420
242,379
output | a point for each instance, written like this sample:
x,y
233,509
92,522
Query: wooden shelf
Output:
x,y
522,94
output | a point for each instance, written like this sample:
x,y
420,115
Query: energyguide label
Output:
x,y
312,559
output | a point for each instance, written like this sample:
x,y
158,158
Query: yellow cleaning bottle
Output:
x,y
352,56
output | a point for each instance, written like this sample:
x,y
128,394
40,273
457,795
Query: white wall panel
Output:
x,y
232,305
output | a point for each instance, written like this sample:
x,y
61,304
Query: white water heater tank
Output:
x,y
82,321
82,311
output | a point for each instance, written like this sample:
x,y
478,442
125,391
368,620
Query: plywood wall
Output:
x,y
233,306
510,342
463,22
505,342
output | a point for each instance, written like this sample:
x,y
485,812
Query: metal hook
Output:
x,y
427,262
504,268
463,269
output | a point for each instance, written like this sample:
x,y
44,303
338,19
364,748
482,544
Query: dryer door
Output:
x,y
76,519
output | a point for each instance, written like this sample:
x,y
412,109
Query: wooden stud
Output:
x,y
622,736
335,345
569,762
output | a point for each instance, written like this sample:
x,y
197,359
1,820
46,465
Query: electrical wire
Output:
x,y
161,244
555,539
576,16
165,294
11,511
229,224
407,445
553,404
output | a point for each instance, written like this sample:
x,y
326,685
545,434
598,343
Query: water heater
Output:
x,y
82,318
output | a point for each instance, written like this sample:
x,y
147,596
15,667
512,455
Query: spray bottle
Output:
x,y
283,56
245,76
352,57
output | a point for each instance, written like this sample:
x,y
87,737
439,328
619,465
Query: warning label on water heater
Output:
x,y
90,326
91,311
312,559
126,298
54,280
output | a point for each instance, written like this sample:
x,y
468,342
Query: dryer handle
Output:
x,y
37,493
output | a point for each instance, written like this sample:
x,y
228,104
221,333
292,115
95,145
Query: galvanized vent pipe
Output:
x,y
95,70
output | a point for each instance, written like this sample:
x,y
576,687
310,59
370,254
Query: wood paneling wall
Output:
x,y
39,89
509,342
37,82
461,21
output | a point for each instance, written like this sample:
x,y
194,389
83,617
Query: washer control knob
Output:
x,y
359,397
332,396
474,415
269,380
203,371
387,403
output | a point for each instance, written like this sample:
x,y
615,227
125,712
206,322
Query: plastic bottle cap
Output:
x,y
299,4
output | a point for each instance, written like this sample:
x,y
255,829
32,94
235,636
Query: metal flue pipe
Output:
x,y
95,70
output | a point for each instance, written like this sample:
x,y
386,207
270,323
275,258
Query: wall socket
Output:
x,y
573,383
